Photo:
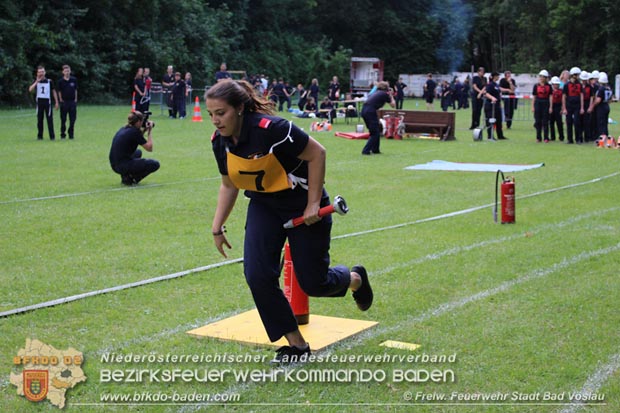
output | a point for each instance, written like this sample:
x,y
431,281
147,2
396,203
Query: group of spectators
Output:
x,y
175,87
65,96
582,98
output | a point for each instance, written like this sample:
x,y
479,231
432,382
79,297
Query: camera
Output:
x,y
147,124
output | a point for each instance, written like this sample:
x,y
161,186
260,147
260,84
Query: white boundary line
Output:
x,y
594,382
125,188
117,288
456,304
467,211
223,263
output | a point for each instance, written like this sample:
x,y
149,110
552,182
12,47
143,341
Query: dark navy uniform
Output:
x,y
493,110
45,91
400,94
126,159
586,118
556,114
602,113
508,99
477,103
67,89
178,98
573,92
594,133
541,95
333,91
269,147
371,119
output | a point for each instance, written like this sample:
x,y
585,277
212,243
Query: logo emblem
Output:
x,y
36,384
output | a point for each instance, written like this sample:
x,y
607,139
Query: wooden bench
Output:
x,y
417,121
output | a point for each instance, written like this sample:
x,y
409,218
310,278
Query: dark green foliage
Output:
x,y
104,41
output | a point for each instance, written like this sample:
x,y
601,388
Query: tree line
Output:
x,y
104,41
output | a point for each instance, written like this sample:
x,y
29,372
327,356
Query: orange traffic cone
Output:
x,y
197,116
296,297
133,102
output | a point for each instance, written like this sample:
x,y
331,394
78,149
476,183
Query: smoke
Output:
x,y
455,18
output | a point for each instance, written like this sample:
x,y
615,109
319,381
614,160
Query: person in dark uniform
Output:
x,y
400,93
493,107
556,110
68,97
148,81
446,95
125,157
371,119
429,91
140,89
168,82
586,117
478,91
282,171
601,103
222,73
179,93
333,92
465,94
507,86
572,105
279,91
314,90
541,106
303,96
44,93
592,108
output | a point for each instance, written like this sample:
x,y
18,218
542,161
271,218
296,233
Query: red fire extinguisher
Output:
x,y
508,198
294,294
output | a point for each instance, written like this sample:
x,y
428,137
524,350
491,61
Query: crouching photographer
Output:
x,y
125,157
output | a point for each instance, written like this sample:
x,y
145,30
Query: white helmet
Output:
x,y
584,75
602,78
574,71
543,73
555,80
594,74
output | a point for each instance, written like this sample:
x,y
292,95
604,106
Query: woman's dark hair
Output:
x,y
237,93
134,117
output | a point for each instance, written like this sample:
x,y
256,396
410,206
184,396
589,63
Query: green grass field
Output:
x,y
526,308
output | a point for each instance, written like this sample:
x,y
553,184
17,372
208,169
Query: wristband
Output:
x,y
220,232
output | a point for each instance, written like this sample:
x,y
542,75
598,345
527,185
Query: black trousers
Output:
x,y
67,108
264,240
45,110
137,168
556,121
476,111
374,128
493,111
541,118
573,120
509,110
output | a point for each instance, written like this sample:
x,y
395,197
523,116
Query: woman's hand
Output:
x,y
311,214
220,240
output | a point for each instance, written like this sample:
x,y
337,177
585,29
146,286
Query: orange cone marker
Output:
x,y
197,116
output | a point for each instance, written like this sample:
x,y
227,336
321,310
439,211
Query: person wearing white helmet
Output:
x,y
601,102
541,106
572,106
556,110
591,108
586,118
